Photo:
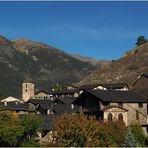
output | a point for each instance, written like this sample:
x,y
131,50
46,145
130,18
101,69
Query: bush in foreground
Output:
x,y
77,130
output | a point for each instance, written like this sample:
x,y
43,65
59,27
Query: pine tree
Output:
x,y
141,40
130,139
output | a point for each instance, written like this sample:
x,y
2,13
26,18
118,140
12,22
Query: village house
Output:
x,y
111,105
69,87
28,92
113,86
65,93
17,109
110,86
104,101
42,94
10,99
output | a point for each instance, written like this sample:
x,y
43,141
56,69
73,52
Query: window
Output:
x,y
26,85
120,104
120,117
26,90
110,117
141,105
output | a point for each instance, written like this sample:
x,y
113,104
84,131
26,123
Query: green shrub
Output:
x,y
138,134
130,140
30,143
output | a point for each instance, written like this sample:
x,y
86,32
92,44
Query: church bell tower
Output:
x,y
28,89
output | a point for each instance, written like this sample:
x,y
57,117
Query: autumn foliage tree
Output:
x,y
77,130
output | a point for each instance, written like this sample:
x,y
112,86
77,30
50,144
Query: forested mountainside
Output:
x,y
45,64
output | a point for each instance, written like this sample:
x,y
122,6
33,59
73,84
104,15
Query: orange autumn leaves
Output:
x,y
77,130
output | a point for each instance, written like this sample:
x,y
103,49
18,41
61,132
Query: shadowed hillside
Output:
x,y
44,63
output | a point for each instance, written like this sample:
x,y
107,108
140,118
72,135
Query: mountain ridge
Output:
x,y
125,69
47,65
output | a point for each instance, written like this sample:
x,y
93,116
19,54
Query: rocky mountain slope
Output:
x,y
97,63
125,69
45,64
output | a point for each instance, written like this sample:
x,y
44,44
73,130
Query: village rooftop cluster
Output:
x,y
114,101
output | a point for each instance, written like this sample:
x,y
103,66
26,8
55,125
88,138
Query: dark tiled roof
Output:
x,y
18,107
67,100
144,74
113,106
28,80
65,91
48,122
114,85
88,87
38,101
108,86
114,96
62,108
46,105
117,96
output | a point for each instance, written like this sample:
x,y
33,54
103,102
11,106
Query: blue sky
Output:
x,y
102,30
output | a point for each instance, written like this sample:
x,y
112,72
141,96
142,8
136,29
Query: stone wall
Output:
x,y
134,111
115,114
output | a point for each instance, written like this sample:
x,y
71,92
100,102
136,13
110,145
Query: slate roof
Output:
x,y
88,87
108,86
67,100
18,107
114,85
28,80
47,122
144,74
46,104
67,91
38,101
114,96
62,108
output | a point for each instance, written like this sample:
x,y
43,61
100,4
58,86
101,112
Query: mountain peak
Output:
x,y
23,41
4,40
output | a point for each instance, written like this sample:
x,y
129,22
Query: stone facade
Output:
x,y
42,95
27,91
137,112
116,112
